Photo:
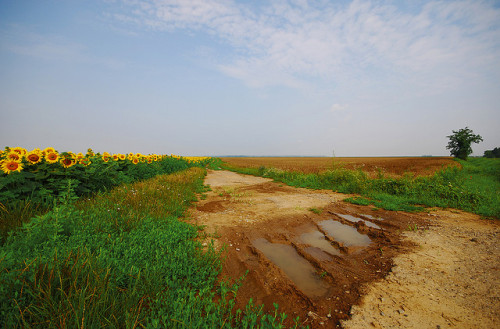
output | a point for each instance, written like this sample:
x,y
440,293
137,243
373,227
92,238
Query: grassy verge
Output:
x,y
475,187
36,189
121,259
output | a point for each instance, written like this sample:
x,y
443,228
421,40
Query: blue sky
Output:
x,y
219,77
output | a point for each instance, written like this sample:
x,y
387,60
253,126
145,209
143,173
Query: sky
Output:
x,y
249,77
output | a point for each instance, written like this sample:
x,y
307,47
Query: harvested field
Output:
x,y
390,166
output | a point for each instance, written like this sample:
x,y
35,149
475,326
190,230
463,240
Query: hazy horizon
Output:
x,y
307,78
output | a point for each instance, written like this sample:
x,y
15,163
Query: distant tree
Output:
x,y
495,153
460,142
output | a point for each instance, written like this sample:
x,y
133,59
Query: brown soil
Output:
x,y
426,270
389,166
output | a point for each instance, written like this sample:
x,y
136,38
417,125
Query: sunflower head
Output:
x,y
85,161
9,166
90,153
105,158
14,156
135,160
122,156
21,151
67,162
34,156
48,150
52,157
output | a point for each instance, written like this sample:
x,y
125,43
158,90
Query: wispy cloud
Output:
x,y
41,46
51,47
437,44
338,108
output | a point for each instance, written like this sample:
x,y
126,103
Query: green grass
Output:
x,y
475,187
121,259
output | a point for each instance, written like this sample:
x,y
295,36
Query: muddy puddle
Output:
x,y
298,269
312,264
371,217
354,219
345,234
317,239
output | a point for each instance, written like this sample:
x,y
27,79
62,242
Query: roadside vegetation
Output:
x,y
121,259
473,187
32,182
120,256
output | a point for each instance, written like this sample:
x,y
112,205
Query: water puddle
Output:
x,y
317,239
298,269
356,219
345,234
372,217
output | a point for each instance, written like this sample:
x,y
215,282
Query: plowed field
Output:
x,y
389,166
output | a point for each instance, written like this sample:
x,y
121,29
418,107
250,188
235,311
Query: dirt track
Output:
x,y
435,270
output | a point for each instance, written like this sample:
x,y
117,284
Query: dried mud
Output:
x,y
415,263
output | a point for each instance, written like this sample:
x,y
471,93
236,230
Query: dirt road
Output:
x,y
323,259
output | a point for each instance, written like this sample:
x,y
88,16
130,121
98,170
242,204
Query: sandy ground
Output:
x,y
427,270
450,280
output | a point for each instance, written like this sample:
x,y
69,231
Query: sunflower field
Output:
x,y
43,176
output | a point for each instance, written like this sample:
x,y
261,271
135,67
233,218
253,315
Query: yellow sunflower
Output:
x,y
122,156
48,150
116,157
85,161
14,156
79,155
67,162
34,156
9,166
21,151
135,160
105,158
52,157
106,154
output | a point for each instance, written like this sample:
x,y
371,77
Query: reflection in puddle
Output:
x,y
345,234
372,217
356,219
317,239
299,270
